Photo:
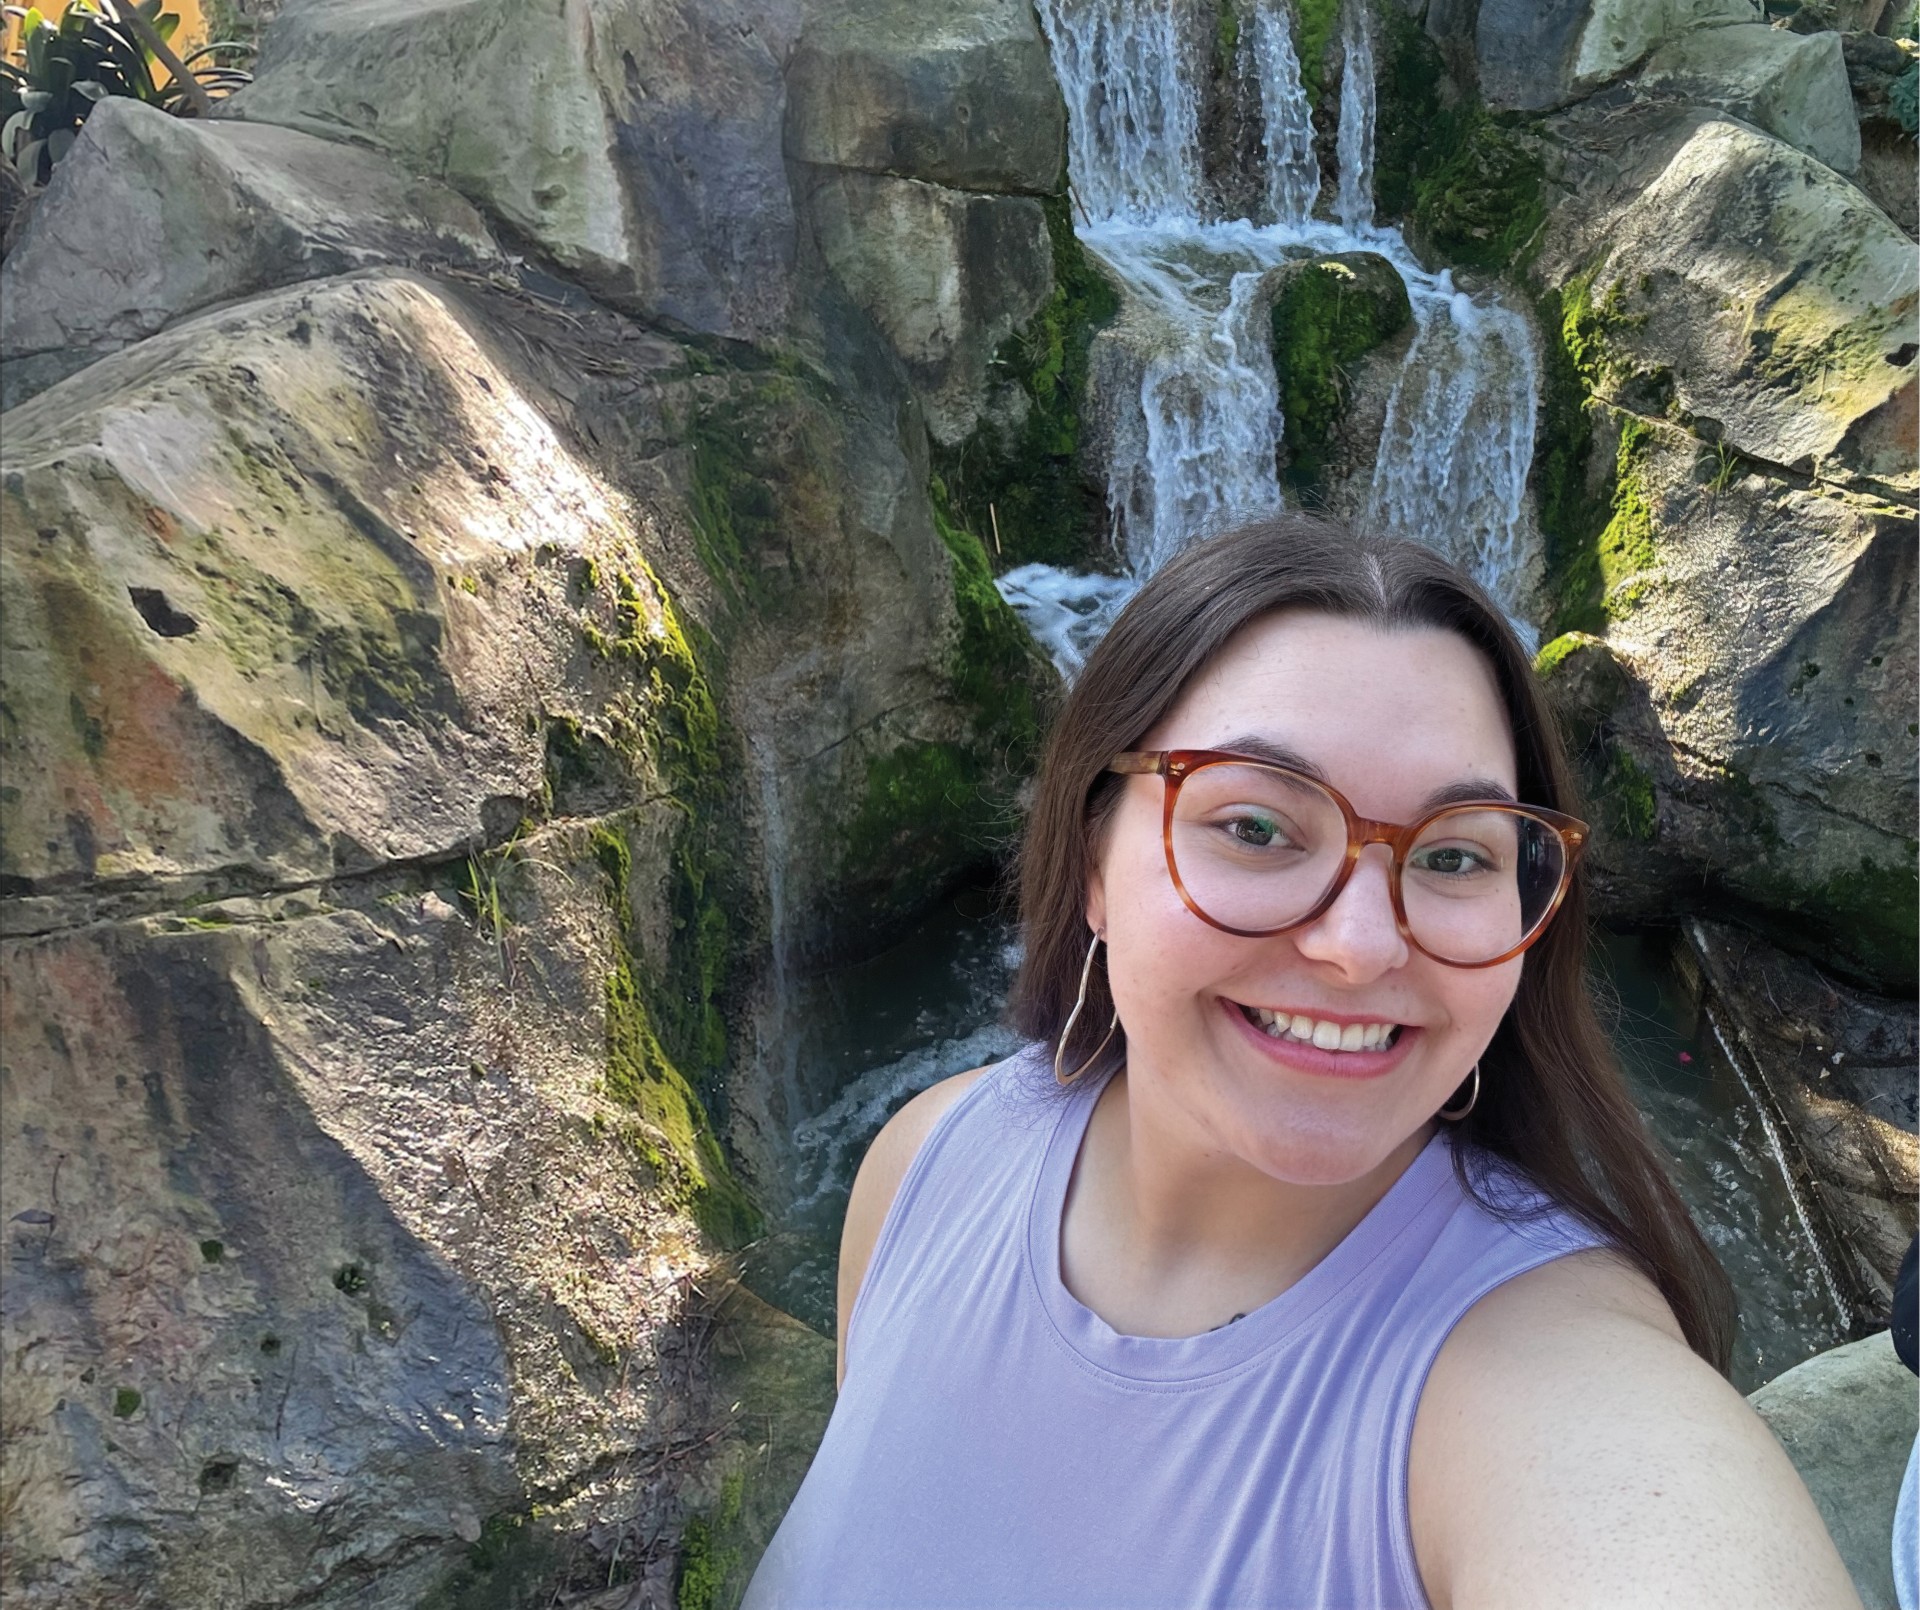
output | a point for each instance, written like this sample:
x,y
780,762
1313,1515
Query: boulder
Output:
x,y
150,217
1531,56
637,144
244,646
947,276
351,1172
959,94
1747,739
1847,1420
1750,289
1792,85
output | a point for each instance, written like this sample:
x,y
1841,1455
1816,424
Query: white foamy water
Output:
x,y
1459,437
1197,450
1293,172
1354,206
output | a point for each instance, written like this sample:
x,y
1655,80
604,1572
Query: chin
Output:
x,y
1305,1144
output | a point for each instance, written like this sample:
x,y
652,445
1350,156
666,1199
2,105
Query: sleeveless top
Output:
x,y
997,1445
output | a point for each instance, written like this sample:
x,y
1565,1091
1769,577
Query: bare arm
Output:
x,y
876,1184
1571,1453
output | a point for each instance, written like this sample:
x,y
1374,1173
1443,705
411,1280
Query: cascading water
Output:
x,y
1293,172
1198,450
1354,208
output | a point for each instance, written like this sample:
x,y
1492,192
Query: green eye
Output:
x,y
1258,831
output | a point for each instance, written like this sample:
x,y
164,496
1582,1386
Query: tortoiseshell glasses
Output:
x,y
1256,848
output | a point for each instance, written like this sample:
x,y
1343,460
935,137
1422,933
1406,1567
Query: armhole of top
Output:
x,y
1406,1563
902,1199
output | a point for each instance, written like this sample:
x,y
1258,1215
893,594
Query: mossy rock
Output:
x,y
1027,482
1327,315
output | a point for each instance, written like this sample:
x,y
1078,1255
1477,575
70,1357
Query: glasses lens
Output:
x,y
1256,848
1478,883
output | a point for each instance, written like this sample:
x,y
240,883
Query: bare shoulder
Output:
x,y
878,1181
1571,1450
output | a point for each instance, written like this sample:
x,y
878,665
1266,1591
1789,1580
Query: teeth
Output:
x,y
1327,1036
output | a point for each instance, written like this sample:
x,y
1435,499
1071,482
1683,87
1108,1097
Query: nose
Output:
x,y
1358,934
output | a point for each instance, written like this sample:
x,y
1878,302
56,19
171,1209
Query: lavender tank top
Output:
x,y
998,1445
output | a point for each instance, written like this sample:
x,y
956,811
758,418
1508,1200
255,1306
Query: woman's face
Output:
x,y
1391,718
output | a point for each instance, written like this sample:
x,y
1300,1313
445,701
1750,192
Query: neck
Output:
x,y
1167,1233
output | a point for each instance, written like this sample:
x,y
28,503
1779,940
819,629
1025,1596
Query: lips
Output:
x,y
1309,1053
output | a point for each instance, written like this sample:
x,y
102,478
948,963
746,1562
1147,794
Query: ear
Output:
x,y
1096,901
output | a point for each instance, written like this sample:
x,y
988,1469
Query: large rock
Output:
x,y
636,142
151,217
1792,85
1746,725
959,94
242,652
349,1172
947,276
1754,291
1847,1420
1532,56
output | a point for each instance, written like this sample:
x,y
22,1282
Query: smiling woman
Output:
x,y
1342,1275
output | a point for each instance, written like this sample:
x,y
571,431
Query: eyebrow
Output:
x,y
1466,791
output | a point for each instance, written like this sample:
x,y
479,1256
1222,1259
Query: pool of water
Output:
x,y
868,1038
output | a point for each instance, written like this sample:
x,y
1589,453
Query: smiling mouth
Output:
x,y
1319,1032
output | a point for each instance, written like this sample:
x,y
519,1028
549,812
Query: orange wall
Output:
x,y
191,33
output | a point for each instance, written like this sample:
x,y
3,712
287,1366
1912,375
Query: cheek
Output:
x,y
1479,999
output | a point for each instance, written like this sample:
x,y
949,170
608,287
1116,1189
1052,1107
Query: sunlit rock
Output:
x,y
638,145
1792,85
152,217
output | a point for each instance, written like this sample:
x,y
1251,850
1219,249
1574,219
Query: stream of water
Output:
x,y
1197,449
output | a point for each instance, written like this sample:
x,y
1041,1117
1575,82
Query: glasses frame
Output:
x,y
1175,766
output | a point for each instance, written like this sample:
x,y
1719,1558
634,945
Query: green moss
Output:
x,y
1315,23
126,1403
1607,576
1863,923
992,665
1417,127
1481,203
1325,318
677,1138
1226,33
212,1251
1555,654
1626,794
1030,483
706,1560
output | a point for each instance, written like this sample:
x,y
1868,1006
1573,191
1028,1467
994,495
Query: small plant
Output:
x,y
1722,466
59,71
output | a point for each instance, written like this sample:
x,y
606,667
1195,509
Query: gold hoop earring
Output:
x,y
1453,1117
1073,1017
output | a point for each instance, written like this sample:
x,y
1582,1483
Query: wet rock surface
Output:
x,y
1836,1068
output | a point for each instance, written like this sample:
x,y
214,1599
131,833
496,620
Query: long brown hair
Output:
x,y
1552,1102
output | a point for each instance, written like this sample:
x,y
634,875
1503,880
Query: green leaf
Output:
x,y
27,164
92,89
59,143
36,100
14,131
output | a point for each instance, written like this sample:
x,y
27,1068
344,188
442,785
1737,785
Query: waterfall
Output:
x,y
1197,449
1459,437
777,1014
1133,106
1293,172
1354,208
